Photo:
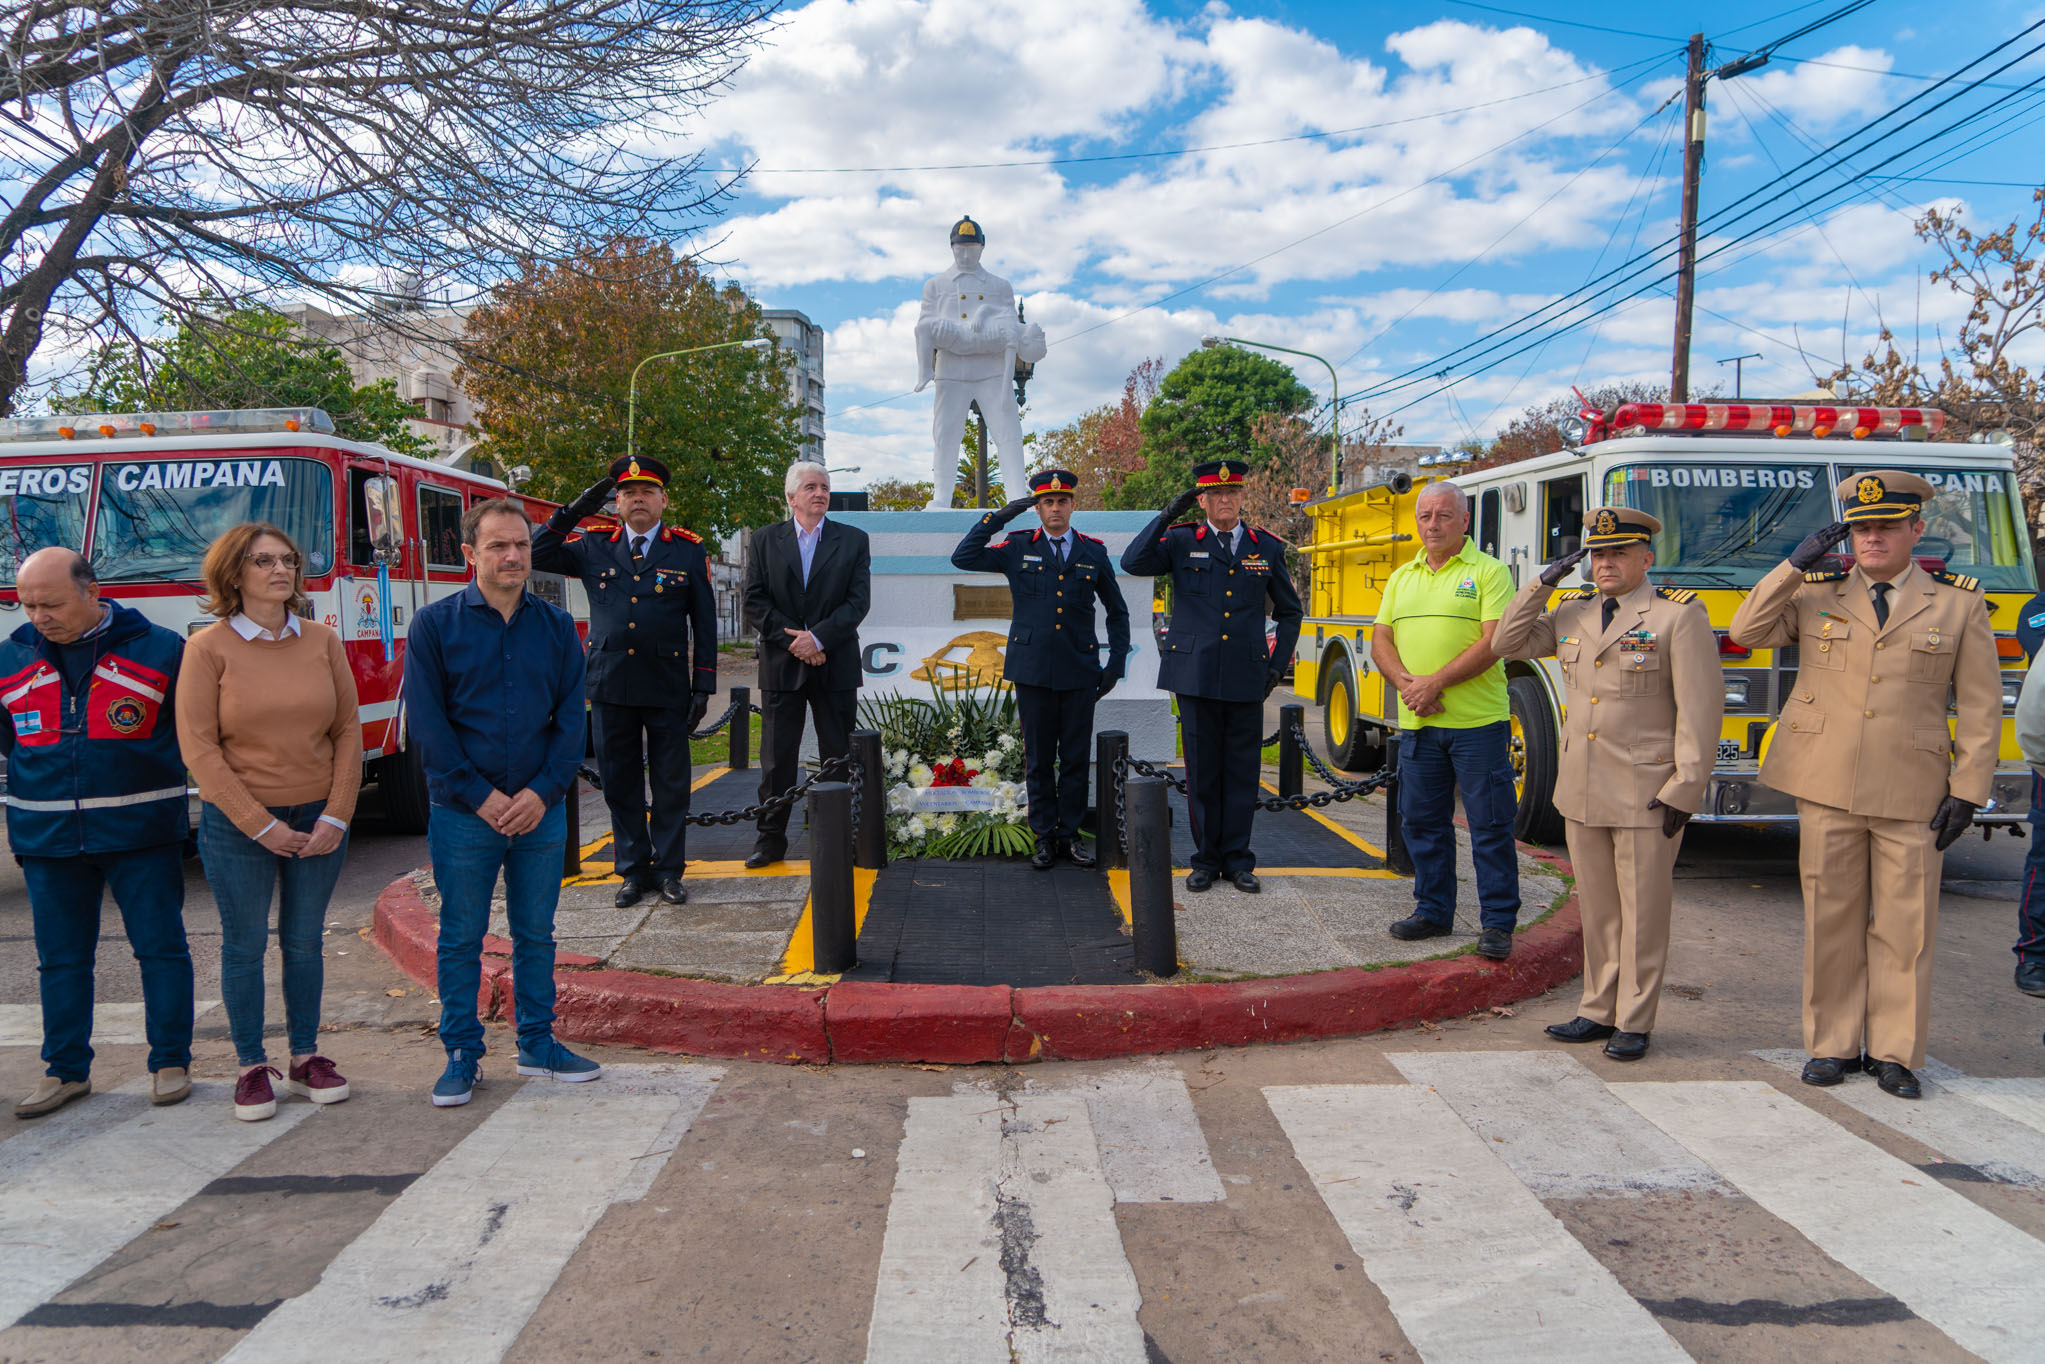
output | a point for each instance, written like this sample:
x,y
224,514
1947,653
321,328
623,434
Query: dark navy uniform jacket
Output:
x,y
1215,646
1051,635
645,623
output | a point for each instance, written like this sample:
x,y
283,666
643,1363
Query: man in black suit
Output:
x,y
651,612
1054,573
808,585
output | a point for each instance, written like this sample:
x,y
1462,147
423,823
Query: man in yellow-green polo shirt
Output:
x,y
1432,641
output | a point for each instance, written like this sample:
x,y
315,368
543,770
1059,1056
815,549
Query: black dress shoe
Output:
x,y
1895,1078
629,894
766,856
1045,854
1247,882
2031,977
1078,852
1199,879
1627,1046
1580,1029
1829,1070
671,890
1495,944
1414,927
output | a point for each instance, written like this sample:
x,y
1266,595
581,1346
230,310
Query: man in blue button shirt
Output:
x,y
493,681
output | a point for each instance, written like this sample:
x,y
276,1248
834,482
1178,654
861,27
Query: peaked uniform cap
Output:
x,y
638,469
1606,527
1221,473
966,230
1053,481
1883,495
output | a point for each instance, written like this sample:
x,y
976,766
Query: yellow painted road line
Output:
x,y
799,961
1118,886
702,870
1346,835
712,775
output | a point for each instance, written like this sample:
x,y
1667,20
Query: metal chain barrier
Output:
x,y
1343,790
831,769
1122,802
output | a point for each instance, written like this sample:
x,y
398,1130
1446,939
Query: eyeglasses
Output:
x,y
266,562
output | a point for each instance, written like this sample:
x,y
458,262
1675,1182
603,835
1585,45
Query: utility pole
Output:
x,y
1686,268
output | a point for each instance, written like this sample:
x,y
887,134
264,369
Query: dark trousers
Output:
x,y
1056,726
1221,740
64,897
634,743
1434,763
831,710
2031,908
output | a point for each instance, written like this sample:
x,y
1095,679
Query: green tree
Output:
x,y
895,494
1207,408
549,361
241,357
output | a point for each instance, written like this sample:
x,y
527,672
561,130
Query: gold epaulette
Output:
x,y
1827,576
1580,594
1682,596
1959,580
687,534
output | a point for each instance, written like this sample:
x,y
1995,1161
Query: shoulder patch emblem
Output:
x,y
1822,576
688,535
1959,580
1681,595
1580,594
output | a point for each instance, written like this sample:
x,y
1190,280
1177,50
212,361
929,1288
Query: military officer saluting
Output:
x,y
1054,574
652,663
1644,702
1882,787
1224,573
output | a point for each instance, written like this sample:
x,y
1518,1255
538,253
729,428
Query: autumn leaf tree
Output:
x,y
1299,458
1538,430
549,366
1103,445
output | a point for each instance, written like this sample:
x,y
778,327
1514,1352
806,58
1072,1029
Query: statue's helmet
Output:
x,y
966,230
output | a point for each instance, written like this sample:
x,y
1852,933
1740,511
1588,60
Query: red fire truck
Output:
x,y
143,495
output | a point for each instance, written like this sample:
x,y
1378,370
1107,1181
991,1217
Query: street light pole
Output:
x,y
1738,362
632,389
1334,397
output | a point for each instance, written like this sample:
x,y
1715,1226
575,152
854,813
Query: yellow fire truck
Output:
x,y
1735,486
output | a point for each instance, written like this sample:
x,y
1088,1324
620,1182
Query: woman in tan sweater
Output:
x,y
266,718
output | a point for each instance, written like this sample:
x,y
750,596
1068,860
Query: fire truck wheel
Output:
x,y
1353,745
1533,762
402,778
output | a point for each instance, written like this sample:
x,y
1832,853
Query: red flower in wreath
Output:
x,y
953,773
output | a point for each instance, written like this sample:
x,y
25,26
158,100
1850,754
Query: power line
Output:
x,y
1566,23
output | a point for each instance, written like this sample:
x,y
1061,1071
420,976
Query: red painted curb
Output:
x,y
860,1021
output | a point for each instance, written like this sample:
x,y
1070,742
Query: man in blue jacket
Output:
x,y
1054,574
96,800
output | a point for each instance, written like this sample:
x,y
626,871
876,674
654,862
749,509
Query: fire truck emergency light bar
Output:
x,y
1782,419
112,424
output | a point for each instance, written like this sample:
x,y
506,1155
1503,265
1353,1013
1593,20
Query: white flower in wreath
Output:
x,y
916,827
947,823
985,780
1006,741
920,775
990,760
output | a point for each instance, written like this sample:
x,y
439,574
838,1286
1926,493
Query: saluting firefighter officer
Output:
x,y
1645,698
1223,572
1052,661
1882,788
651,611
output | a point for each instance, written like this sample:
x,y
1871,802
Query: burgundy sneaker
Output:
x,y
254,1100
317,1080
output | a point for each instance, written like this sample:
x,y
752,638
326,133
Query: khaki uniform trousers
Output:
x,y
1623,889
1870,919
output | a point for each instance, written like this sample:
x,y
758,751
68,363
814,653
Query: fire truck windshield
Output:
x,y
45,505
156,517
1724,524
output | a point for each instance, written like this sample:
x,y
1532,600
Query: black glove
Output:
x,y
1271,681
591,500
1817,545
1950,821
1179,505
1013,510
1553,574
1673,819
698,706
1109,677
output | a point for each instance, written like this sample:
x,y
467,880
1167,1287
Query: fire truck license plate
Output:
x,y
1728,751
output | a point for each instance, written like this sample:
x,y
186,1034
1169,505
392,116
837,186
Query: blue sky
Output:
x,y
1379,184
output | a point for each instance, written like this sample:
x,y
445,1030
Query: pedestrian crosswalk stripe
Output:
x,y
1556,1125
2021,1098
456,1266
1474,1268
1947,1121
1001,1241
113,1025
69,1208
1952,1262
1151,1147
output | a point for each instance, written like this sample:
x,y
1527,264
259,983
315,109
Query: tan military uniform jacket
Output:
x,y
1865,728
1645,699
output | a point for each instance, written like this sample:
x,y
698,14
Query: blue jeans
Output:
x,y
2031,908
64,897
467,856
1435,763
244,874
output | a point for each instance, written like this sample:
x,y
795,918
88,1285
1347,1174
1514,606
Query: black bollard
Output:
x,y
1396,857
1291,773
1110,746
870,838
571,851
741,756
1150,877
832,927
